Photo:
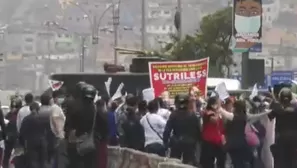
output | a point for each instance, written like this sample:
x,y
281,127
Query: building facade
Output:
x,y
160,22
271,9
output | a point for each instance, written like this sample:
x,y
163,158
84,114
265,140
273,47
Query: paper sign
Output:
x,y
55,85
254,92
97,98
213,94
221,89
107,85
177,77
118,93
148,94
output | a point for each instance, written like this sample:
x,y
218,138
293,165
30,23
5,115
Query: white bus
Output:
x,y
231,84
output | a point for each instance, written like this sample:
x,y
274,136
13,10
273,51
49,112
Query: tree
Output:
x,y
211,40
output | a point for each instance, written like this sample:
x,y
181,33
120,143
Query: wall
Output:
x,y
129,158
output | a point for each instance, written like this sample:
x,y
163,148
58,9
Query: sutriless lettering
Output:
x,y
172,76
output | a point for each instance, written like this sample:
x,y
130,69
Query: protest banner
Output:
x,y
247,26
178,76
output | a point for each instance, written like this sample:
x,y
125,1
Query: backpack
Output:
x,y
251,136
261,130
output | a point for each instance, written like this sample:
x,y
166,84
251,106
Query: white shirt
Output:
x,y
57,121
165,113
23,112
158,123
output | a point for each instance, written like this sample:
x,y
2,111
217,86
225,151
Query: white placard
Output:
x,y
148,94
107,85
254,92
221,89
118,93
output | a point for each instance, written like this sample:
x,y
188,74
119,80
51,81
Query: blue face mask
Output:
x,y
245,24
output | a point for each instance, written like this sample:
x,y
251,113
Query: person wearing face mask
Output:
x,y
247,23
238,133
57,123
285,114
213,136
58,118
11,129
258,107
25,110
85,119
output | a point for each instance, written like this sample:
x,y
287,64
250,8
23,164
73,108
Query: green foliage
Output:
x,y
212,40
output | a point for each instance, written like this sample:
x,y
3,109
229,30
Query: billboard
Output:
x,y
278,77
247,26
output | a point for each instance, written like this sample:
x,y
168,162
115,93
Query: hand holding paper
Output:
x,y
107,85
221,90
254,92
118,93
148,94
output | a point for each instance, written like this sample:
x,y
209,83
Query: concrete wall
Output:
x,y
129,158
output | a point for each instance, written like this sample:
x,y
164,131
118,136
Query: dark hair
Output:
x,y
130,113
131,101
160,102
29,98
228,101
257,99
16,103
34,107
45,99
234,11
100,104
240,107
142,105
153,106
210,102
114,106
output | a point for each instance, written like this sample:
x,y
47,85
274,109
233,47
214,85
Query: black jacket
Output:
x,y
184,125
81,120
2,125
133,136
286,122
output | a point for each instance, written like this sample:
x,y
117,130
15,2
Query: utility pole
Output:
x,y
47,60
116,22
245,70
82,56
179,9
143,25
95,40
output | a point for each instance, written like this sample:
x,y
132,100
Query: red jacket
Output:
x,y
212,132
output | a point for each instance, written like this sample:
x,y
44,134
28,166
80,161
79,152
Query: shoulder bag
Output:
x,y
251,136
85,143
153,128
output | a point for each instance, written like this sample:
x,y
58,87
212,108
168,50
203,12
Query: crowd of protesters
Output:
x,y
74,132
232,128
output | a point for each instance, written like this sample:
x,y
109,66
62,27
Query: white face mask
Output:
x,y
245,24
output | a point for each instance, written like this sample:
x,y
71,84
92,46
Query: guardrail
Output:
x,y
129,158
